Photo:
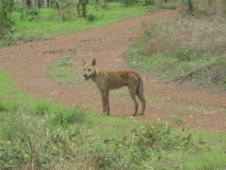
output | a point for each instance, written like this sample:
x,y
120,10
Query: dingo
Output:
x,y
108,80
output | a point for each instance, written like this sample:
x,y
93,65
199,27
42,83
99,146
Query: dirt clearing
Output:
x,y
28,65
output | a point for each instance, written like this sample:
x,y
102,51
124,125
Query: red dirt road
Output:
x,y
28,65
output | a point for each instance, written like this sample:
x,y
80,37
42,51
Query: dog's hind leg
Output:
x,y
140,95
142,100
132,92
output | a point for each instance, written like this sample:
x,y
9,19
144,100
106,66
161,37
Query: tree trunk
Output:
x,y
190,7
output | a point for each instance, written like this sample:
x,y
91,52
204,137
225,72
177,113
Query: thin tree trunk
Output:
x,y
190,7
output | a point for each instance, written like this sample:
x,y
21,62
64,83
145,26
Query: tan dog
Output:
x,y
108,80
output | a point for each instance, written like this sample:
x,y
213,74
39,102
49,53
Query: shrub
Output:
x,y
158,136
91,17
67,10
149,2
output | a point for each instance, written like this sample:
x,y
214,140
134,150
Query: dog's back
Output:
x,y
117,79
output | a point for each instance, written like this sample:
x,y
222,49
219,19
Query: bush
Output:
x,y
91,17
158,136
149,2
67,10
66,117
6,21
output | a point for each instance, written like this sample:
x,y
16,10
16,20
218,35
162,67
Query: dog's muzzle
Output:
x,y
87,76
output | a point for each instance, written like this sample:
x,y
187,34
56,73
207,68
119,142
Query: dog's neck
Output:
x,y
94,77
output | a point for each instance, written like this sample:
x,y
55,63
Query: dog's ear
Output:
x,y
83,62
94,62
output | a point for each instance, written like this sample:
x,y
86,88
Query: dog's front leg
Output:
x,y
105,99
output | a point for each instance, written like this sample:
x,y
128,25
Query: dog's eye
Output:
x,y
89,69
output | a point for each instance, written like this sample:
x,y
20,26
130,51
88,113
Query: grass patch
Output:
x,y
167,67
65,71
38,133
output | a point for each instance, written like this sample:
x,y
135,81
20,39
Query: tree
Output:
x,y
190,7
6,22
82,6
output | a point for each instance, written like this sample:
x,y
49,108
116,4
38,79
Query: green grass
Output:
x,y
65,71
168,67
39,131
49,24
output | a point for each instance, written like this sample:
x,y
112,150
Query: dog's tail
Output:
x,y
140,94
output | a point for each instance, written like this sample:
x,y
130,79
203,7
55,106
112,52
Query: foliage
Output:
x,y
6,21
66,9
129,2
82,8
149,2
159,136
91,17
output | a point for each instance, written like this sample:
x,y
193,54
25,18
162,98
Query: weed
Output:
x,y
158,136
67,117
183,54
42,109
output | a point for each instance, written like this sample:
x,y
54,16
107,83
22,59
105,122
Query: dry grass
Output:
x,y
188,49
205,31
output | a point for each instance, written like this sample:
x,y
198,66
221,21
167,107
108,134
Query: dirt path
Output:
x,y
28,64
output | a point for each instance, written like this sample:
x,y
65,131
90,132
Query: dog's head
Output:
x,y
89,69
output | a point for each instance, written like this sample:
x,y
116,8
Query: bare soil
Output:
x,y
203,109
